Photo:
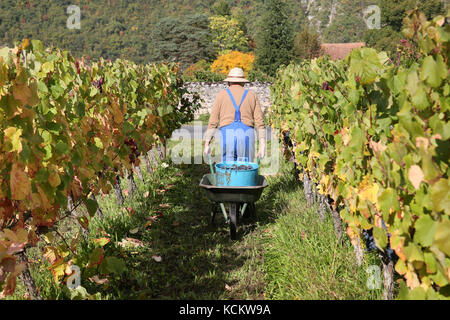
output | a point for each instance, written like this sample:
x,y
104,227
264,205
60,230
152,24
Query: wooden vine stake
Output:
x,y
153,156
322,207
388,276
131,183
357,246
163,151
338,230
147,163
138,171
307,189
118,191
27,280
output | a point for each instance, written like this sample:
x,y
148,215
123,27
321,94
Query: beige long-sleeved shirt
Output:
x,y
223,111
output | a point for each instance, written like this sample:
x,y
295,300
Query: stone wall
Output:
x,y
208,92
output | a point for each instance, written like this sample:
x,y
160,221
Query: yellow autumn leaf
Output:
x,y
315,154
21,235
58,270
19,183
35,201
345,136
117,113
45,203
378,222
368,190
12,136
10,235
68,270
397,243
50,253
22,93
352,205
370,193
412,281
355,239
54,179
324,184
400,267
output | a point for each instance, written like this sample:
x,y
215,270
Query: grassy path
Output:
x,y
173,252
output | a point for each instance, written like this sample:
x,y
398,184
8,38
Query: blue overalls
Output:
x,y
237,139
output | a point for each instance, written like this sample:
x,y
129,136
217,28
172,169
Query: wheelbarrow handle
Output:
x,y
211,167
210,164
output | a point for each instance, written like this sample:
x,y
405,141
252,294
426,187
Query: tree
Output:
x,y
234,59
307,45
222,8
227,36
185,40
275,41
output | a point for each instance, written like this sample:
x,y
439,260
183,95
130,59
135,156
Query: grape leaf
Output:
x,y
19,183
442,236
13,138
440,195
415,175
425,228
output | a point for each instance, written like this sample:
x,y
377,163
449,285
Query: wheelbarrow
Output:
x,y
240,199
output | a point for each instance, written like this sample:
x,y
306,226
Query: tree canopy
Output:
x,y
227,35
185,40
189,31
275,43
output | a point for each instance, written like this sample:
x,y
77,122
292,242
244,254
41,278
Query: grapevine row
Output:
x,y
68,128
373,135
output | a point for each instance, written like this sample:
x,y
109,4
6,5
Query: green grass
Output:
x,y
286,253
203,118
304,260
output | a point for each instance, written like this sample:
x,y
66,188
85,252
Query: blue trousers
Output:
x,y
237,140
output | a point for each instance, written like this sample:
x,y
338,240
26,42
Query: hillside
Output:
x,y
123,28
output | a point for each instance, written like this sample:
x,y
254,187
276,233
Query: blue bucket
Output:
x,y
228,175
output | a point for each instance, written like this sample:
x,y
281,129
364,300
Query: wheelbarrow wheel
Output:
x,y
233,220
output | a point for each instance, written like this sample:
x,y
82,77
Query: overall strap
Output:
x,y
237,114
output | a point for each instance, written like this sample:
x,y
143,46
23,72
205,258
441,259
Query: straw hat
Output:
x,y
236,75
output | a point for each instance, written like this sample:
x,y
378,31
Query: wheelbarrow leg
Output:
x,y
244,207
233,220
213,213
224,212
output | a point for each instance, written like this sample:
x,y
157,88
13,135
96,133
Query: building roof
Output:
x,y
340,50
